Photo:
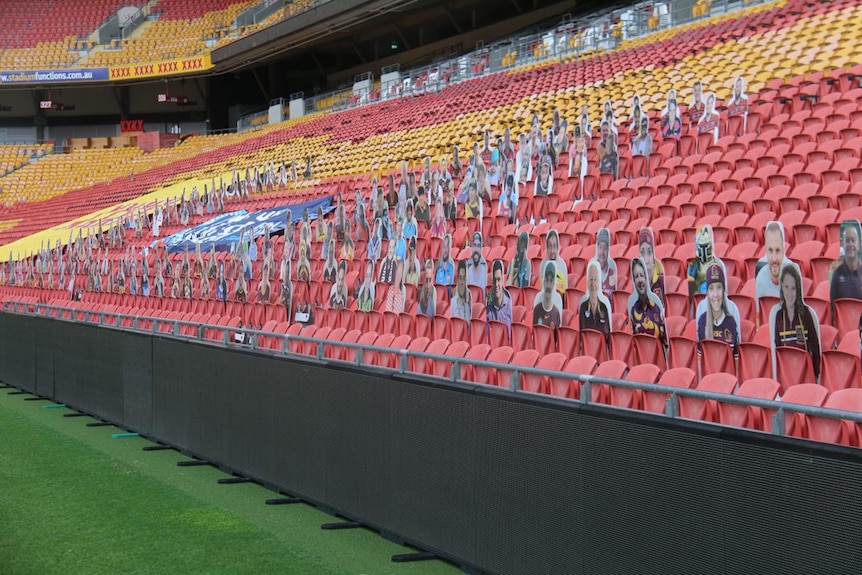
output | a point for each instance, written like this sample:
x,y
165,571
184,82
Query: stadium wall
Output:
x,y
494,481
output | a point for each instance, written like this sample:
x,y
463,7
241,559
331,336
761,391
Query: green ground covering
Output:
x,y
75,500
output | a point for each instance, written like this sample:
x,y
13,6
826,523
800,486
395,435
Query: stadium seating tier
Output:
x,y
797,161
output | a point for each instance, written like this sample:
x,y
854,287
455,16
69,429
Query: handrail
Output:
x,y
595,33
674,393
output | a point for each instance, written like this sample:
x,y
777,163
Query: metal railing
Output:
x,y
253,120
601,32
258,340
258,13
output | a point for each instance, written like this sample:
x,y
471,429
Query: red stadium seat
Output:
x,y
633,398
749,416
707,409
683,377
648,350
418,364
840,370
847,314
796,424
580,365
755,357
490,375
478,353
367,339
457,349
611,369
717,357
551,362
837,430
793,366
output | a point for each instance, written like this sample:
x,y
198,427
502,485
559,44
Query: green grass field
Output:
x,y
75,500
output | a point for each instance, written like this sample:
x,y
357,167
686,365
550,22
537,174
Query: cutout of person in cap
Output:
x,y
338,293
241,291
608,116
642,143
561,141
548,305
445,267
523,163
410,227
578,156
717,320
427,173
594,309
737,105
654,267
221,282
767,282
303,267
846,282
552,254
450,206
607,266
671,124
792,323
549,148
697,105
438,224
199,262
608,156
636,114
671,96
544,186
473,205
428,293
375,242
187,288
320,226
360,218
329,242
498,304
412,266
423,208
305,235
365,297
386,273
486,151
506,148
264,287
348,248
710,121
457,166
483,186
585,123
519,267
400,242
508,204
330,268
462,300
495,167
545,178
646,312
396,294
704,255
286,292
477,267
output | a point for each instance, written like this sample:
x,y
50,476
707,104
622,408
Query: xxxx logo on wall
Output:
x,y
163,68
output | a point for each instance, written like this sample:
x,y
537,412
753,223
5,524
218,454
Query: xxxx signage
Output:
x,y
177,66
131,126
